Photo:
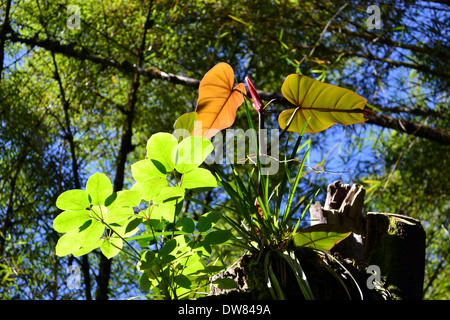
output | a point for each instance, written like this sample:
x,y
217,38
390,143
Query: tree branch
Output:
x,y
75,51
5,30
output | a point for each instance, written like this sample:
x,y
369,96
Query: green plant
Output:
x,y
176,257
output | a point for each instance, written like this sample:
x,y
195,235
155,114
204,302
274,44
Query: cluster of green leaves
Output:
x,y
172,263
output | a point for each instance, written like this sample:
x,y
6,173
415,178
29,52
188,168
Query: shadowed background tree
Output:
x,y
79,99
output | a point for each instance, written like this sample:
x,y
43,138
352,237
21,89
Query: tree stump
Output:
x,y
396,244
343,207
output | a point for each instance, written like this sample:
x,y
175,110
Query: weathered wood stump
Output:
x,y
343,207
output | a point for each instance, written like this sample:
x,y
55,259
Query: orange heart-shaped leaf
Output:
x,y
217,100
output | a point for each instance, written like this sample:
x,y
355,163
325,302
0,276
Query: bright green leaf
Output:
x,y
152,187
161,149
184,125
91,232
191,153
85,250
170,193
73,200
320,236
128,198
99,188
98,212
111,247
68,243
118,214
199,178
69,220
144,170
165,210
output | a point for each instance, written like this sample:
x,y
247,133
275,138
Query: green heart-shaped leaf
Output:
x,y
184,125
152,187
323,103
111,247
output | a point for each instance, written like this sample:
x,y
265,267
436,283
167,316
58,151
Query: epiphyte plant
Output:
x,y
175,257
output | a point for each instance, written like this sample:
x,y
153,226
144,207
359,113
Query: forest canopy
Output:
x,y
84,84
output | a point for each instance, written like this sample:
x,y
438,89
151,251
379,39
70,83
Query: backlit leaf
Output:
x,y
217,100
99,188
191,153
68,243
128,198
171,193
118,214
161,150
90,233
184,125
69,220
199,178
111,247
73,200
152,187
144,170
324,103
321,236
